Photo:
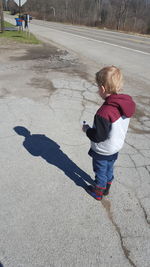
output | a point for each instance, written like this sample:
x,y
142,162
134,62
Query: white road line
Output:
x,y
90,39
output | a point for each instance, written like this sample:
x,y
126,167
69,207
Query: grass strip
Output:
x,y
19,36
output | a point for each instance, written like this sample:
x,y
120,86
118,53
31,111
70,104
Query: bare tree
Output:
x,y
12,7
98,9
128,15
1,17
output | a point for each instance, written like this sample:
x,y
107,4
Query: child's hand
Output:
x,y
85,127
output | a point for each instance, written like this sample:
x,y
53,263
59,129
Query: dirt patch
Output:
x,y
43,84
48,57
29,68
3,92
36,52
141,121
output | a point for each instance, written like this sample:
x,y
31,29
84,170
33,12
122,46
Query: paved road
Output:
x,y
127,41
48,219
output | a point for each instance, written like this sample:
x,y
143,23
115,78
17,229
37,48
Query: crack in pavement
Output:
x,y
147,168
141,116
144,211
107,205
138,150
139,202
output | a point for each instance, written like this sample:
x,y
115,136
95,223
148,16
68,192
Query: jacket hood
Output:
x,y
124,103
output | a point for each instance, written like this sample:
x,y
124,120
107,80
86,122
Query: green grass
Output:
x,y
19,36
7,24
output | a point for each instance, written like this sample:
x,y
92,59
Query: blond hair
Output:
x,y
111,78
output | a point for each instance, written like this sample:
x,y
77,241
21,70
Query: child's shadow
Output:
x,y
41,145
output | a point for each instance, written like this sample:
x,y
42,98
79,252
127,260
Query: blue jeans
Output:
x,y
103,171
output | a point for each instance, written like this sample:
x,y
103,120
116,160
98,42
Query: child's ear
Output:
x,y
103,89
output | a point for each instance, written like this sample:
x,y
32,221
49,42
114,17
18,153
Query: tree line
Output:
x,y
126,15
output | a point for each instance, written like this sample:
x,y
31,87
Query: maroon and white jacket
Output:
x,y
111,123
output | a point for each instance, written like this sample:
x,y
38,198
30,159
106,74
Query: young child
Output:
x,y
109,128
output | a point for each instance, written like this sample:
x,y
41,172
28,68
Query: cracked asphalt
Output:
x,y
47,218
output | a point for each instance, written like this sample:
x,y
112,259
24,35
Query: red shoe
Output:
x,y
106,191
96,192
